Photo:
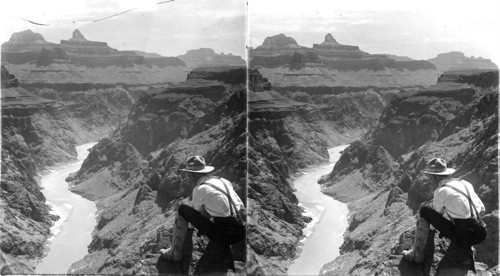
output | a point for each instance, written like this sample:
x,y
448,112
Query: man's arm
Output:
x,y
199,195
236,199
438,202
475,198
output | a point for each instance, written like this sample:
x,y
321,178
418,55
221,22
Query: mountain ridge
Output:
x,y
79,60
285,63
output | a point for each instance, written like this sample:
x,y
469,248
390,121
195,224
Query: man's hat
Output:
x,y
437,166
196,164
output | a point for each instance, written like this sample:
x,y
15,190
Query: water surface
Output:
x,y
324,235
72,233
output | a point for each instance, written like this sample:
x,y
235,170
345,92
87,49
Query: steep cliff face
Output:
x,y
291,131
380,174
37,133
331,64
79,60
26,219
136,182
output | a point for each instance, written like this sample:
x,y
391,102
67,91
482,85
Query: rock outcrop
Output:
x,y
285,64
37,133
380,174
133,175
8,79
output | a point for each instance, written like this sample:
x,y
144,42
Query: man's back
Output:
x,y
214,201
453,203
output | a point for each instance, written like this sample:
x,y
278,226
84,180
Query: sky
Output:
x,y
169,29
417,29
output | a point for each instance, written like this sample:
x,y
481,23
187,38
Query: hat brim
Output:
x,y
448,171
207,169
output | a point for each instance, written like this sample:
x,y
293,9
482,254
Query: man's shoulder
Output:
x,y
213,184
449,186
216,180
455,182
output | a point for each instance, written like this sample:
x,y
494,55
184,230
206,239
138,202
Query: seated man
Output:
x,y
454,202
213,211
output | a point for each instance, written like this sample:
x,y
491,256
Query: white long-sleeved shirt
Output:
x,y
212,200
453,204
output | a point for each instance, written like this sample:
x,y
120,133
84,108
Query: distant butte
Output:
x,y
329,38
77,36
331,44
78,44
277,42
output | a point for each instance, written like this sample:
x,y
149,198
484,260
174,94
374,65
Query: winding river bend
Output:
x,y
324,235
72,233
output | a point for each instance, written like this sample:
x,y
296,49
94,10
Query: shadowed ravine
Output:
x,y
324,234
72,233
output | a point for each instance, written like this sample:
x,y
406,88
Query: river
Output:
x,y
323,236
72,233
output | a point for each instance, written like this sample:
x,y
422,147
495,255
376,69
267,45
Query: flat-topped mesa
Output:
x,y
207,57
79,45
279,42
330,44
458,61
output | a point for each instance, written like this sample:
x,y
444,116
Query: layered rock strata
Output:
x,y
285,64
78,60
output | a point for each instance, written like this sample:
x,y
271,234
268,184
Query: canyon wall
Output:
x,y
133,176
289,132
79,91
37,133
380,176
